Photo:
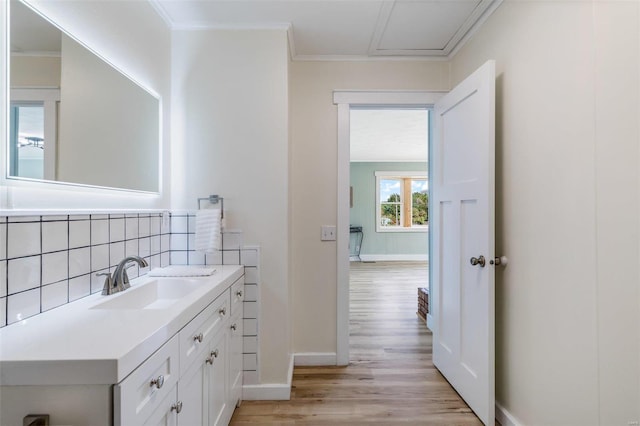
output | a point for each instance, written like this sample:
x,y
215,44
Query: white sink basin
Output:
x,y
158,294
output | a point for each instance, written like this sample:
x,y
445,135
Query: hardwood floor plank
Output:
x,y
391,378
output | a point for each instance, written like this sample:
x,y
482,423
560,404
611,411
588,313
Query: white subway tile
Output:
x,y
3,241
99,216
196,258
179,242
191,241
250,344
155,244
3,278
155,262
99,257
191,224
145,270
80,217
251,293
144,247
99,232
54,218
179,258
249,362
18,219
179,225
214,258
131,227
165,242
79,233
3,311
131,248
232,240
23,274
250,327
156,225
251,275
55,267
79,261
79,287
23,305
231,257
144,227
250,310
54,295
249,257
23,239
116,253
55,236
165,259
116,230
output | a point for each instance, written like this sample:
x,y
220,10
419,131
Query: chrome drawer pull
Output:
x,y
212,356
233,327
239,293
223,311
215,353
177,407
198,338
157,382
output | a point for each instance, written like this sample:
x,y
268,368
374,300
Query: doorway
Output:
x,y
346,101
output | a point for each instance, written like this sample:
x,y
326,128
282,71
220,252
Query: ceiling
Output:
x,y
343,29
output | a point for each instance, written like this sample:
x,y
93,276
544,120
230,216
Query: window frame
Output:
x,y
380,175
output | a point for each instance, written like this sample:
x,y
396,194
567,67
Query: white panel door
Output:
x,y
463,233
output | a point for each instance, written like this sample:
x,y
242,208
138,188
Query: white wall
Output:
x,y
567,310
314,181
230,137
134,38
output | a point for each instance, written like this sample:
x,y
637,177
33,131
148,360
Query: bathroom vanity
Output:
x,y
167,351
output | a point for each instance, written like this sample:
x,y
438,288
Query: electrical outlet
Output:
x,y
328,233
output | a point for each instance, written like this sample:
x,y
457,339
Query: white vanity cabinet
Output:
x,y
121,363
193,379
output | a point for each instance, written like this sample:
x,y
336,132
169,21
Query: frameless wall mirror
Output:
x,y
74,118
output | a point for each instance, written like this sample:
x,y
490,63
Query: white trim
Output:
x,y
394,257
387,97
292,42
39,53
220,26
162,12
270,391
345,99
430,322
505,418
343,236
381,25
315,358
365,58
478,24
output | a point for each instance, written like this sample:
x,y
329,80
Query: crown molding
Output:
x,y
162,12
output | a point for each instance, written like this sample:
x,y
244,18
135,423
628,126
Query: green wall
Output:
x,y
363,213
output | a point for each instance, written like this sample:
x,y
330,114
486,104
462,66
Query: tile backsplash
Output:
x,y
47,261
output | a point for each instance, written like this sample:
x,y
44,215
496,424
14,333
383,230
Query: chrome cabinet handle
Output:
x,y
223,311
233,327
157,382
198,337
478,261
177,407
212,356
239,293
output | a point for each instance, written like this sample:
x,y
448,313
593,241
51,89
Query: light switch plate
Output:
x,y
328,233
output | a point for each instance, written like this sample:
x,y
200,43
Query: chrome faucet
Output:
x,y
119,281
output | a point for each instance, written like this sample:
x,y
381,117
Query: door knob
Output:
x,y
478,261
499,261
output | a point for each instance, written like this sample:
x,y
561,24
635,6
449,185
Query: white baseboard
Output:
x,y
315,358
505,418
270,391
394,257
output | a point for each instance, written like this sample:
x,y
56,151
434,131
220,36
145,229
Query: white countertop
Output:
x,y
74,344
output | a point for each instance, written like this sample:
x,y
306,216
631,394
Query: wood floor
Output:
x,y
390,379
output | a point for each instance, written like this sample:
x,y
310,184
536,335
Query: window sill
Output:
x,y
403,230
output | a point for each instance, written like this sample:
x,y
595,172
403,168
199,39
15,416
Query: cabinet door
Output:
x,y
218,380
235,359
193,389
165,412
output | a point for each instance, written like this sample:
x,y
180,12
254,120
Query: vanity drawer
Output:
x,y
196,335
139,395
237,295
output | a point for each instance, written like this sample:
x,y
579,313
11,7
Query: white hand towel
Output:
x,y
181,271
208,230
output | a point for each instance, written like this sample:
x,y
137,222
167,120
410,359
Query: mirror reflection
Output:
x,y
73,117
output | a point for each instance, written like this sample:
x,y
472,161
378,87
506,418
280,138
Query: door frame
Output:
x,y
345,99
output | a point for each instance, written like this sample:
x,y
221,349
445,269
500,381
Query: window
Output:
x,y
402,201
